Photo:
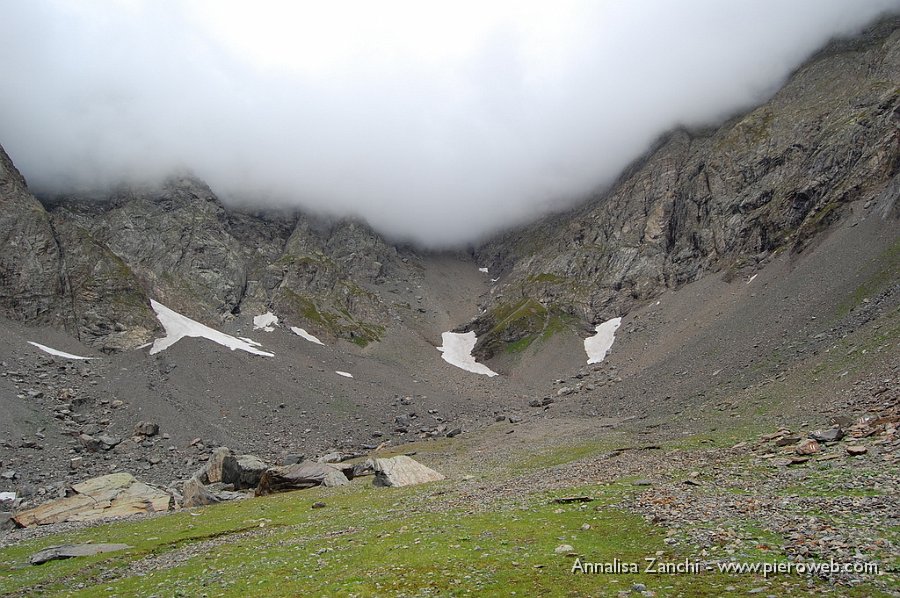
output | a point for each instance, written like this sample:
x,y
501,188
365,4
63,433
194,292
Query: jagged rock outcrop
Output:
x,y
715,201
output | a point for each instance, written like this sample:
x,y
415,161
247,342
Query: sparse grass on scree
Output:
x,y
369,542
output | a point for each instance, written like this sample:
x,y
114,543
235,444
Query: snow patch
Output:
x,y
304,334
250,341
266,322
178,326
457,351
344,374
483,270
7,496
751,278
597,347
57,353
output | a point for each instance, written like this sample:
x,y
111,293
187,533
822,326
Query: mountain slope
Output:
x,y
727,200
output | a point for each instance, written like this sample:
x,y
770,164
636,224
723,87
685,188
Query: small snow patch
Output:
x,y
483,270
344,374
7,496
598,346
57,353
178,326
457,351
304,334
266,322
751,278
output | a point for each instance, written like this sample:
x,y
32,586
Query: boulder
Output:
x,y
808,447
107,442
355,470
830,435
89,443
113,495
787,440
299,476
6,521
195,494
213,470
146,429
331,458
402,471
69,551
244,471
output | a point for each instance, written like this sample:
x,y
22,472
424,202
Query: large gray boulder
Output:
x,y
403,471
243,471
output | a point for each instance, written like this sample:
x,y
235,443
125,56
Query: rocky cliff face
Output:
x,y
91,263
53,272
722,201
32,282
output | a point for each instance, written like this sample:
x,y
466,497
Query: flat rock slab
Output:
x,y
299,476
403,471
68,551
113,495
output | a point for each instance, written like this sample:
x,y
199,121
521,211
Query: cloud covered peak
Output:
x,y
436,123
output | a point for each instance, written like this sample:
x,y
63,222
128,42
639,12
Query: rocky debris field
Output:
x,y
79,432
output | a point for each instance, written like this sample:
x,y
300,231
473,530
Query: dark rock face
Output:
x,y
721,201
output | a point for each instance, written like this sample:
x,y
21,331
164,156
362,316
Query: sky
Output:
x,y
438,123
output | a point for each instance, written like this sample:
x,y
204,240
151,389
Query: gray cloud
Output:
x,y
503,117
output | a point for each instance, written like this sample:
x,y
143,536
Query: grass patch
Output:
x,y
340,324
371,542
516,326
560,455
